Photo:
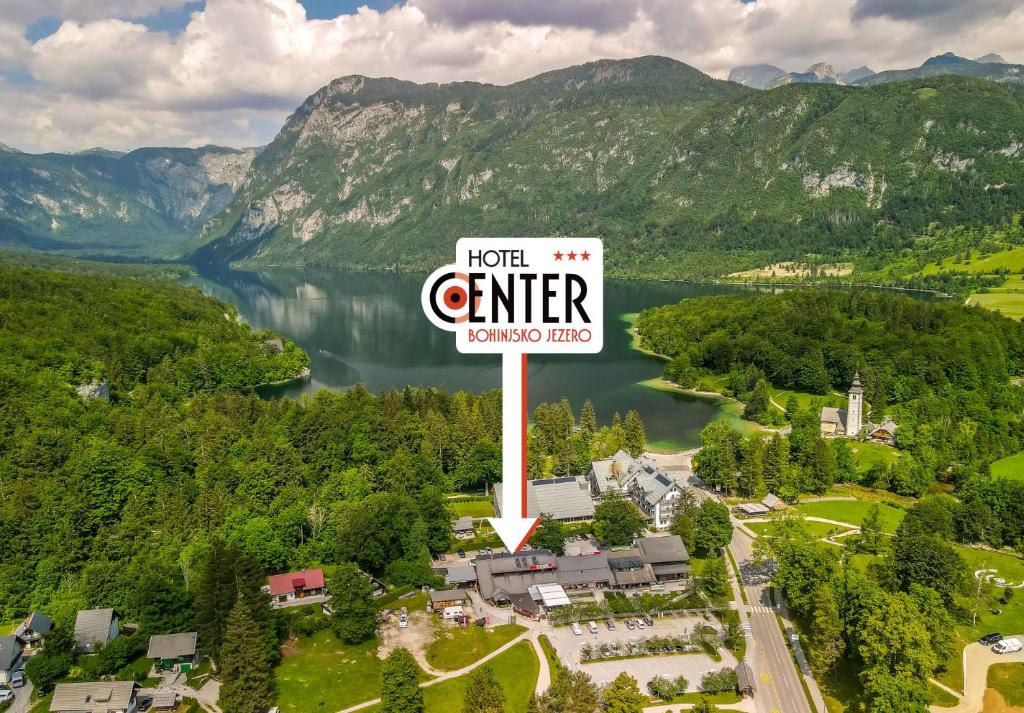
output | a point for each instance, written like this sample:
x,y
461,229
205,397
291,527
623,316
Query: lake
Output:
x,y
369,328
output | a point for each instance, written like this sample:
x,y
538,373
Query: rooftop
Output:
x,y
172,646
662,549
448,595
464,524
10,650
287,583
97,697
92,626
559,498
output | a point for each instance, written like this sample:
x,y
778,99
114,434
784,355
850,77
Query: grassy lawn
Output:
x,y
323,675
471,508
516,671
852,511
815,529
454,647
1008,679
1010,621
841,688
199,675
1011,467
867,454
1009,303
940,697
803,398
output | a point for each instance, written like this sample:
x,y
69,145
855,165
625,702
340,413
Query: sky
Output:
x,y
76,74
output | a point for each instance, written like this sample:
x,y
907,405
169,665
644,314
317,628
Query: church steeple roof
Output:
x,y
856,388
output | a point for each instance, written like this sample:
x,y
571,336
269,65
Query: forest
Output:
x,y
942,371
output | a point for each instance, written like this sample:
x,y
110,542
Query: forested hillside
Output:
x,y
681,175
941,370
115,503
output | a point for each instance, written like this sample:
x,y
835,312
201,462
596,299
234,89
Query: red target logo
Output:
x,y
449,297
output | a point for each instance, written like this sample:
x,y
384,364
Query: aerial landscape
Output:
x,y
768,458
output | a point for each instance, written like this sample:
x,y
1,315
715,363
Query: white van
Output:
x,y
592,627
453,612
1007,646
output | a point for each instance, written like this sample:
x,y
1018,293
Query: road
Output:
x,y
778,688
977,658
22,698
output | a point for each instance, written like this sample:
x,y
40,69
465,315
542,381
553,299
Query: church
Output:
x,y
849,422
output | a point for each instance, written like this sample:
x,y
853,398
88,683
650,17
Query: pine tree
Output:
x,y
214,599
623,696
588,418
483,693
354,615
245,671
636,434
399,690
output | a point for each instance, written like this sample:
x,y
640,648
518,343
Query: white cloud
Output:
x,y
243,65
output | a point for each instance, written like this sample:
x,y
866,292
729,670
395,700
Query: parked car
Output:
x,y
648,620
6,694
1008,646
609,624
592,627
989,639
17,679
403,618
576,629
145,704
630,625
640,624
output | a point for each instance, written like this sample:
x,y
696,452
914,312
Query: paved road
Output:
x,y
778,688
22,698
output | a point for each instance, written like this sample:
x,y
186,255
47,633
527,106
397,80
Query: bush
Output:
x,y
667,689
721,681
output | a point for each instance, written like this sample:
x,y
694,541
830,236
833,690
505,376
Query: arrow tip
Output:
x,y
514,531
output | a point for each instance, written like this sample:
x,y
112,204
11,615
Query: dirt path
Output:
x,y
416,638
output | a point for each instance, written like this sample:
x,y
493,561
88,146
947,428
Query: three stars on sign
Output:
x,y
572,256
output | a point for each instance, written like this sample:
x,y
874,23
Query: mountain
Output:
x,y
852,75
681,174
950,63
756,76
143,203
820,73
990,57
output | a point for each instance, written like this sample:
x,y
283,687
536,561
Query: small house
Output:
x,y
745,680
97,697
441,600
34,629
173,652
773,502
884,433
463,528
461,575
295,588
95,628
666,555
10,657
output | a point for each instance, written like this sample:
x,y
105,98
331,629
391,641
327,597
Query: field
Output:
x,y
941,698
852,511
516,671
1011,467
1010,303
867,454
1011,260
1008,679
471,508
322,674
455,647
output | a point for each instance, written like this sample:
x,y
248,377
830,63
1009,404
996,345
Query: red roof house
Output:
x,y
294,586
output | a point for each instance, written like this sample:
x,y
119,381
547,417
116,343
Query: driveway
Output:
x,y
977,659
22,698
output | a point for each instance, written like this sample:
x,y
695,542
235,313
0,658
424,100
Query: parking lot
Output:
x,y
692,666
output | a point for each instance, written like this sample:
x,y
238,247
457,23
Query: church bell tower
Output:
x,y
855,410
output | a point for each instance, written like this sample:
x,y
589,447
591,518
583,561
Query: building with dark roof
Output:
x,y
745,679
173,652
667,556
629,570
10,657
98,697
34,628
501,575
95,628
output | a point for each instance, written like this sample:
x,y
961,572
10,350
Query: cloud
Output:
x,y
945,10
600,15
242,66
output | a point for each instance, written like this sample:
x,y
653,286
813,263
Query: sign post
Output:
x,y
514,297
